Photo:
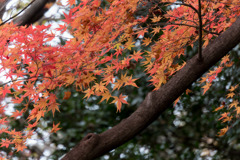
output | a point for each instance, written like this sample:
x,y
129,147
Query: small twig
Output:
x,y
185,4
200,32
182,24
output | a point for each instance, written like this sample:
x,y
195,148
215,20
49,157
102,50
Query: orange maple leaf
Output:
x,y
67,95
39,114
223,131
17,113
227,119
156,18
206,87
156,30
142,32
230,95
100,87
131,82
175,102
136,55
32,125
53,108
237,110
233,104
147,41
3,121
88,92
119,100
224,115
188,91
71,2
55,128
221,107
20,146
233,88
106,95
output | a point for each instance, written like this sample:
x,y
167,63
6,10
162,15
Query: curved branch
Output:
x,y
27,17
16,14
158,101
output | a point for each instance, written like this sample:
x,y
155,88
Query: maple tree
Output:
x,y
107,41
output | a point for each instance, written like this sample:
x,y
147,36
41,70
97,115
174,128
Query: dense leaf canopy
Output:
x,y
118,51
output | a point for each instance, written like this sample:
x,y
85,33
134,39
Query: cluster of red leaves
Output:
x,y
93,59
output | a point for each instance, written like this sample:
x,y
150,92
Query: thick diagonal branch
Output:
x,y
157,102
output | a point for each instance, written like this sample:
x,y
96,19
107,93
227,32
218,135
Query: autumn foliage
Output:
x,y
106,42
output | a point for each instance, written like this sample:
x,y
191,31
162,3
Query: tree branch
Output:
x,y
28,17
93,145
16,14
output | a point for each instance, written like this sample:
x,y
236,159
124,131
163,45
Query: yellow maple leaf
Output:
x,y
156,18
129,44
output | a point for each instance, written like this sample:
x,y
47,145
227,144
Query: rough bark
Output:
x,y
155,103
